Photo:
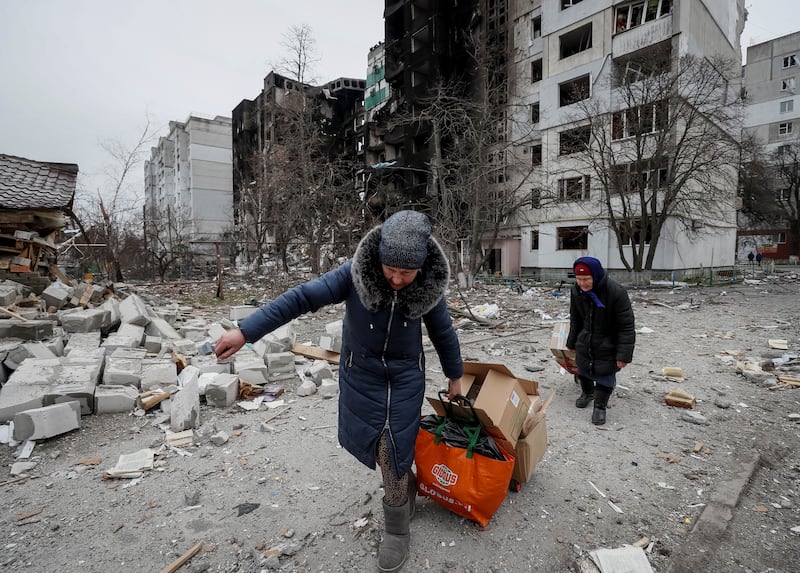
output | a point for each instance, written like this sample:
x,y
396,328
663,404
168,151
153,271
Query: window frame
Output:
x,y
536,155
645,10
537,72
580,234
790,61
570,195
565,100
785,128
576,134
534,237
535,115
536,27
788,84
624,122
786,106
571,43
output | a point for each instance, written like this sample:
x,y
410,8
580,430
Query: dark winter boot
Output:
x,y
587,392
603,393
412,494
393,551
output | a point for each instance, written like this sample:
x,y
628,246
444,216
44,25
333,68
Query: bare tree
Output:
x,y
109,217
166,239
659,148
770,187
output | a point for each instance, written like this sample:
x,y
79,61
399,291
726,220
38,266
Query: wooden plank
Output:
x,y
316,352
12,314
181,561
60,276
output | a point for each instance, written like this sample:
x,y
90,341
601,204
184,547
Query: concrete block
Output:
x,y
329,388
307,388
15,357
223,390
15,398
332,342
318,371
133,310
158,373
56,296
30,330
215,331
184,346
240,312
22,290
82,341
168,314
122,370
162,328
152,344
184,409
56,345
194,330
47,421
112,399
76,380
133,331
281,339
97,295
252,369
209,364
84,320
116,340
8,295
114,316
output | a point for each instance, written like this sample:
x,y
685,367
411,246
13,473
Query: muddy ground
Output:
x,y
281,494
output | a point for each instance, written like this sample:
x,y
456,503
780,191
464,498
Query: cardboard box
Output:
x,y
500,401
531,448
558,346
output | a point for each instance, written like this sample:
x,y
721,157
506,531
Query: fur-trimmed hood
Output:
x,y
417,298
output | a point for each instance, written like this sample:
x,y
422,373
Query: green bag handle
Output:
x,y
473,431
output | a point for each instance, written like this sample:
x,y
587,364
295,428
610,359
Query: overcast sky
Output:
x,y
76,73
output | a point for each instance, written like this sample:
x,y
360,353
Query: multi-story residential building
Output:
x,y
565,58
570,57
188,188
772,118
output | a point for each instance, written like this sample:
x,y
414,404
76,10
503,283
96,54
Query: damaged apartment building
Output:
x,y
548,63
280,139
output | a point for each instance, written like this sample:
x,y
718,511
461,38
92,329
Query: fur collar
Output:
x,y
417,298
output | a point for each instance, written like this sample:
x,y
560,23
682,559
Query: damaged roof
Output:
x,y
29,184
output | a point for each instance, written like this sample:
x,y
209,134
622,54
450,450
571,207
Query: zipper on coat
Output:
x,y
386,368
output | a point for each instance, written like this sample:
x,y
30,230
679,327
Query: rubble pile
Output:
x,y
81,351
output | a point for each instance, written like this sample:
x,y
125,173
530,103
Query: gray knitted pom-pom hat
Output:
x,y
404,240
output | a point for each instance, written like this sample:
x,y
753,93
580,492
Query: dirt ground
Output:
x,y
281,494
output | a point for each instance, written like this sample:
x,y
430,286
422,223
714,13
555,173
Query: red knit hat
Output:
x,y
582,269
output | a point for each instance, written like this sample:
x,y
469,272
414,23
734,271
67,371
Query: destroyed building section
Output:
x,y
35,197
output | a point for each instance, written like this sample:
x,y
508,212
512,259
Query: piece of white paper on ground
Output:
x,y
131,465
627,559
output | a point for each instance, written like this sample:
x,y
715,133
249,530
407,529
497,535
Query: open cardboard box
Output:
x,y
501,402
558,346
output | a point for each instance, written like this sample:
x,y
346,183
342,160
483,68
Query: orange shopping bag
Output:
x,y
458,477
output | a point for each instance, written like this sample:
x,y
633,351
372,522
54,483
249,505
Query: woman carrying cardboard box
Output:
x,y
602,333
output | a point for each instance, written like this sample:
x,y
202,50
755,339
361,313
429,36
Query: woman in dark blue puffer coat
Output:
x,y
395,282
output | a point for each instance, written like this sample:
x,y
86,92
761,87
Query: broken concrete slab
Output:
x,y
81,341
184,409
133,310
16,356
56,296
133,331
160,327
28,330
8,295
47,421
113,399
84,320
